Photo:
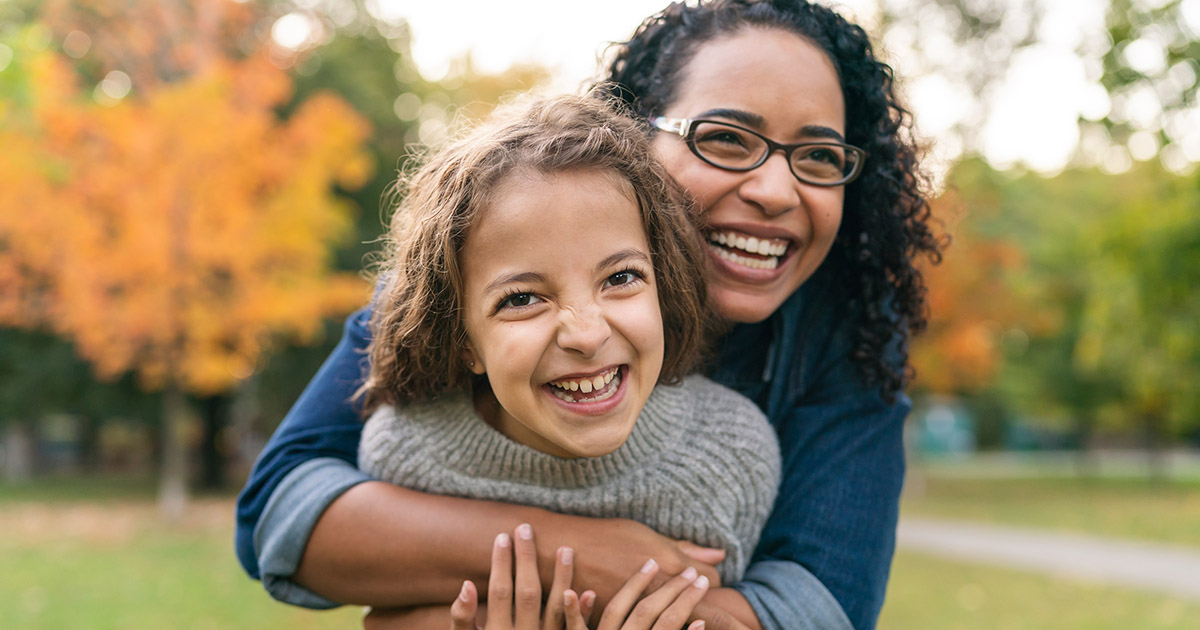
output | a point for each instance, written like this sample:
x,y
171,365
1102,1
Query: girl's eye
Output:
x,y
518,300
623,277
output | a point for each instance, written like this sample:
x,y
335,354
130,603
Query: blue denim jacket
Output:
x,y
825,552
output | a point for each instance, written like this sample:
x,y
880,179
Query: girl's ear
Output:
x,y
471,361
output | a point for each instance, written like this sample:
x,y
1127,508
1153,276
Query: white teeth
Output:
x,y
603,392
751,244
753,263
587,385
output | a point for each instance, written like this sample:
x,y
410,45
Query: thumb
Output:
x,y
707,555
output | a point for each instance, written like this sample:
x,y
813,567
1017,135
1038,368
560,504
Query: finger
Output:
x,y
647,611
679,610
564,572
462,611
587,603
573,611
500,584
704,555
527,598
622,603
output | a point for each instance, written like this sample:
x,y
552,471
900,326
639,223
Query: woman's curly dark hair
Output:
x,y
886,218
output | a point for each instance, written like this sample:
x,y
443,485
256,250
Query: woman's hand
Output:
x,y
518,605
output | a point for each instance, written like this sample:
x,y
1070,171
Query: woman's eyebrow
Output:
x,y
757,122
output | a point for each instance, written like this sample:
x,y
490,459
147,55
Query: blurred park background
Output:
x,y
189,189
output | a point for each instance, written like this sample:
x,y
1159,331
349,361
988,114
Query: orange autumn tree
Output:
x,y
178,230
976,298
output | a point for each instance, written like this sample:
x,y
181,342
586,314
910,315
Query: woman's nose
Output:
x,y
772,187
583,330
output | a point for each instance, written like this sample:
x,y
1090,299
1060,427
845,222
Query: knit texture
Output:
x,y
701,464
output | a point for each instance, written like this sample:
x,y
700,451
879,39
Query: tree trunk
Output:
x,y
19,451
173,494
212,449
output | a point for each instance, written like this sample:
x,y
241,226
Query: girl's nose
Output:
x,y
772,187
583,330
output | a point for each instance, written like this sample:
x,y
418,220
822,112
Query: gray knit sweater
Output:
x,y
701,464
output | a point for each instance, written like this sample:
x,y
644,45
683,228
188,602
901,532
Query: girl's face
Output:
x,y
561,311
786,88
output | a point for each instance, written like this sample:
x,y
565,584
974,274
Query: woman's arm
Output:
x,y
384,545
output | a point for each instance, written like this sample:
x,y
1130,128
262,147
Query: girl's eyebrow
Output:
x,y
622,256
754,121
532,277
524,277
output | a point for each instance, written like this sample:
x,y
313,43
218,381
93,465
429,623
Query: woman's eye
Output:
x,y
723,137
518,300
825,155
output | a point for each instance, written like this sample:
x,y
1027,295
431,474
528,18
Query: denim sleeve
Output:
x,y
322,424
288,520
843,469
785,596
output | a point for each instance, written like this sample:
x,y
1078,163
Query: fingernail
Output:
x,y
502,540
649,566
462,594
525,531
568,554
567,599
701,582
689,574
699,626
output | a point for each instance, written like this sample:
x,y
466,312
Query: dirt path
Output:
x,y
1171,569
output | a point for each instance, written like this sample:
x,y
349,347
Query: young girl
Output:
x,y
543,301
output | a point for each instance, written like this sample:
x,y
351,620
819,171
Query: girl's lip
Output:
x,y
593,408
581,375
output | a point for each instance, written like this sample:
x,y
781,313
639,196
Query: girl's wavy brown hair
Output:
x,y
417,329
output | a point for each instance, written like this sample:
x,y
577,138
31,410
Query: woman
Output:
x,y
752,101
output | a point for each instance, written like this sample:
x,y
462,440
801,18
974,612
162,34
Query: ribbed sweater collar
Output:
x,y
483,451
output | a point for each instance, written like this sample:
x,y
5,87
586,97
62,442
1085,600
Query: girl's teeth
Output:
x,y
585,386
602,393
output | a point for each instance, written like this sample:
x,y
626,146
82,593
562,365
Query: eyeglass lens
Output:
x,y
736,148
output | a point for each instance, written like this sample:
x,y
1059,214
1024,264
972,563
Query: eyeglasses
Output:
x,y
735,148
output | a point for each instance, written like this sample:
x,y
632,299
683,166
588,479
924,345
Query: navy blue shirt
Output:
x,y
841,442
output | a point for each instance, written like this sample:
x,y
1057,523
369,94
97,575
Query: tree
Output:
x,y
168,221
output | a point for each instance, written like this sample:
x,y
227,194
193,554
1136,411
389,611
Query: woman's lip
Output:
x,y
758,231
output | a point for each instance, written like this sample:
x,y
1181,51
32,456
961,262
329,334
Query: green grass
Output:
x,y
118,566
1127,508
932,594
95,554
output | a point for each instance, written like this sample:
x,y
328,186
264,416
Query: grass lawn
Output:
x,y
932,594
94,554
116,565
1167,511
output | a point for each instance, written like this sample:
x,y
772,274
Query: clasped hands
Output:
x,y
515,603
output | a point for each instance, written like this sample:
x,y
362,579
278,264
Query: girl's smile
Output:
x,y
561,311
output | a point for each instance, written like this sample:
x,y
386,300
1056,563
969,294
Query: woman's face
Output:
x,y
786,88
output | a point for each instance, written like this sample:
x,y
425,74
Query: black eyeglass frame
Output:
x,y
686,128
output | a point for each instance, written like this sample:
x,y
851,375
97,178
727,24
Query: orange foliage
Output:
x,y
972,303
177,231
